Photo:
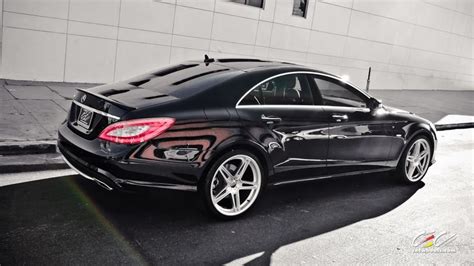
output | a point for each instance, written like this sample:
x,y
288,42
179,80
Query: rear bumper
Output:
x,y
118,173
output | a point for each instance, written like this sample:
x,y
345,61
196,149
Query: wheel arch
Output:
x,y
416,131
243,144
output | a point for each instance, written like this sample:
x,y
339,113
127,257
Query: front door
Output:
x,y
358,138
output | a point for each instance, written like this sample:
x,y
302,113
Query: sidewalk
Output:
x,y
30,113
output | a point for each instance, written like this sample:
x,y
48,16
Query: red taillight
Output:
x,y
136,131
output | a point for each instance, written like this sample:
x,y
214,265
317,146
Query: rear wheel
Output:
x,y
415,160
233,184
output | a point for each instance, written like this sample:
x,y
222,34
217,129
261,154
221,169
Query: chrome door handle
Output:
x,y
339,117
270,119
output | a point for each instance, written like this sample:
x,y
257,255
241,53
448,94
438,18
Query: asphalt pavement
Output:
x,y
360,219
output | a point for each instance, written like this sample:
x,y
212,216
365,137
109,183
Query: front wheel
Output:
x,y
415,160
233,184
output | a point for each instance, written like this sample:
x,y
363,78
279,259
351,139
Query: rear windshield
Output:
x,y
182,79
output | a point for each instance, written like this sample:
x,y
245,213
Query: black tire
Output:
x,y
401,172
205,185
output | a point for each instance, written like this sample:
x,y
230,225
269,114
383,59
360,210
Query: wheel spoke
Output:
x,y
410,158
420,169
247,185
221,195
225,173
416,150
423,154
411,170
253,187
236,201
242,168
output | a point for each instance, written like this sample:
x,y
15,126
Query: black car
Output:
x,y
229,127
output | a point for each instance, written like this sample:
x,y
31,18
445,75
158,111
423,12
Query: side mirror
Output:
x,y
374,103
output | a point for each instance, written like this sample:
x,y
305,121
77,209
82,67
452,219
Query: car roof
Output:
x,y
191,77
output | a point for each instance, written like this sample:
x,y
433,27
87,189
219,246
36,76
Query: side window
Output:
x,y
336,94
283,90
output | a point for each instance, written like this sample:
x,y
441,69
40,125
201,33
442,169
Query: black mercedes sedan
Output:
x,y
227,128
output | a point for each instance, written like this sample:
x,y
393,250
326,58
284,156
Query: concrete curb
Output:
x,y
441,127
27,147
31,162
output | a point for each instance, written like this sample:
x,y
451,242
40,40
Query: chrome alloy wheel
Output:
x,y
235,185
417,160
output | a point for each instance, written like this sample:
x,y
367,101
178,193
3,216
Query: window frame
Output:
x,y
305,12
262,7
364,96
348,85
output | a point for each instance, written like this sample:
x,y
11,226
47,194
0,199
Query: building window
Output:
x,y
255,3
299,8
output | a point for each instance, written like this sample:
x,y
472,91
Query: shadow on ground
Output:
x,y
71,220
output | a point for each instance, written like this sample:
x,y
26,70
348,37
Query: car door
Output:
x,y
280,113
359,140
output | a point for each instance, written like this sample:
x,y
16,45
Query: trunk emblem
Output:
x,y
83,98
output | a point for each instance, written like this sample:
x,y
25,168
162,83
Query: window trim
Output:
x,y
237,106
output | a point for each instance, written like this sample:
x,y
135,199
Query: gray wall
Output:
x,y
410,44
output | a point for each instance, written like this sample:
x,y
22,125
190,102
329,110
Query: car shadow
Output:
x,y
169,227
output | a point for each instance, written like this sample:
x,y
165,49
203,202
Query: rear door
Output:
x,y
358,138
280,113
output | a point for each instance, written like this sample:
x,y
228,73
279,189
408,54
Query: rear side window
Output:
x,y
336,94
283,90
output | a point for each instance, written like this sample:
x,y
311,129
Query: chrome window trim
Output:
x,y
95,110
306,107
301,72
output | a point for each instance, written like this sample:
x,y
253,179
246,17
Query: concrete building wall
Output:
x,y
410,44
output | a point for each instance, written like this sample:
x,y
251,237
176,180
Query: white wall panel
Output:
x,y
371,27
290,38
264,33
367,50
44,60
92,30
90,59
190,42
201,4
331,18
16,20
98,11
144,36
48,8
179,54
326,43
137,58
234,29
147,15
192,22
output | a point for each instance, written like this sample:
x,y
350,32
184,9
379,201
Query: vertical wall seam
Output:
x,y
271,30
117,42
67,39
172,31
212,27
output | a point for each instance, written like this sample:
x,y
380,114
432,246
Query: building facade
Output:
x,y
410,44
